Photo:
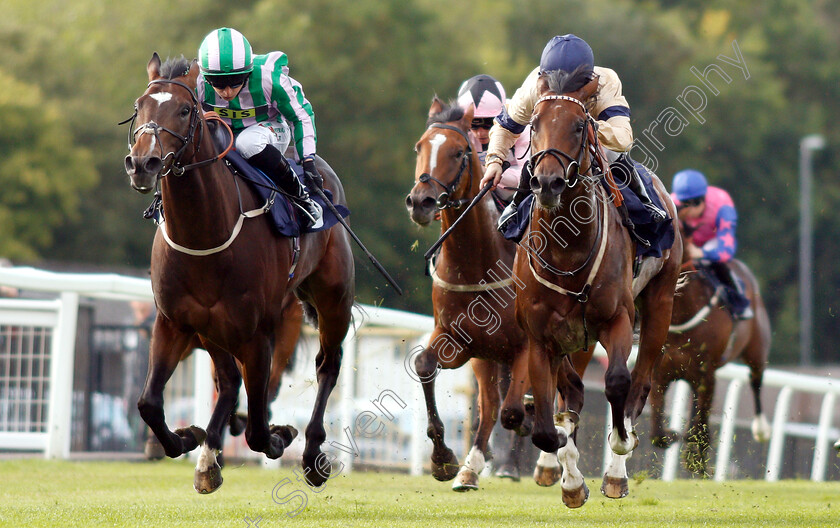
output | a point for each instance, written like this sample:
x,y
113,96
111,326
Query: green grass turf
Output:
x,y
36,492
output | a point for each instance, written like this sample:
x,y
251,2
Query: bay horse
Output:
x,y
231,293
703,337
575,285
472,296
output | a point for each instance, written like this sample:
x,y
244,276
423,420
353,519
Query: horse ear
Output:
x,y
469,113
153,68
437,106
192,74
588,89
542,85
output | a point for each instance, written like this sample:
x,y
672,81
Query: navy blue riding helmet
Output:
x,y
566,52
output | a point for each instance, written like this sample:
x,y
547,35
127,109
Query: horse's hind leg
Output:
x,y
167,346
208,472
487,375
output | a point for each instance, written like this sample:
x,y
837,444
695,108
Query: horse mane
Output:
x,y
562,82
174,68
451,112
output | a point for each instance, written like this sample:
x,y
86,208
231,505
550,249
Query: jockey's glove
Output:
x,y
311,173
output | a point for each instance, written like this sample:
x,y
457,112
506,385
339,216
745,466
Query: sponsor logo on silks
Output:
x,y
230,113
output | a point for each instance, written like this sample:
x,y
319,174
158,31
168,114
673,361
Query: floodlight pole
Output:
x,y
807,145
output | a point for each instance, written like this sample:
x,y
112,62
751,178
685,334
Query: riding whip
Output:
x,y
431,251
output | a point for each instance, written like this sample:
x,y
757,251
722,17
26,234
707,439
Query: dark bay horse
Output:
x,y
472,291
703,337
231,293
574,274
286,335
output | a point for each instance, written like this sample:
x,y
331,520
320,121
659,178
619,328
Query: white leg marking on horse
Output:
x,y
436,142
617,468
475,460
568,456
548,460
760,428
161,97
206,459
619,447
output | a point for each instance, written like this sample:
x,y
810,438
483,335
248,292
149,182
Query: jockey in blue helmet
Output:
x,y
609,107
710,218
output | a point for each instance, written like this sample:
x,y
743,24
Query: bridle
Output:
x,y
571,166
442,201
155,129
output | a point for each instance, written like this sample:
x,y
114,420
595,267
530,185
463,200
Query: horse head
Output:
x,y
443,158
167,117
560,128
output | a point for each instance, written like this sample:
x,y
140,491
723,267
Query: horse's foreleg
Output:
x,y
617,338
256,361
575,491
543,372
208,472
755,356
513,415
444,461
165,350
487,375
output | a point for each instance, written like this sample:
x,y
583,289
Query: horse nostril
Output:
x,y
534,182
428,203
153,165
129,165
557,185
408,202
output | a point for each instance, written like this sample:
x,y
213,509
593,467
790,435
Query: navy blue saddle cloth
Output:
x,y
659,234
285,218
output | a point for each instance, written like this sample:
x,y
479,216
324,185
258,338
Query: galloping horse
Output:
x,y
472,291
574,272
230,287
702,338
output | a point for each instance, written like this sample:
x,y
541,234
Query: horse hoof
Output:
x,y
615,487
153,450
208,481
287,433
316,475
547,476
466,480
237,424
577,497
447,469
192,437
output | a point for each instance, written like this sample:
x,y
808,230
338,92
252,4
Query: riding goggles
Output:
x,y
226,81
482,122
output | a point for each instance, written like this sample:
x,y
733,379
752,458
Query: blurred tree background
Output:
x,y
370,68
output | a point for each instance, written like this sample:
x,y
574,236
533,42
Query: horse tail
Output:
x,y
310,314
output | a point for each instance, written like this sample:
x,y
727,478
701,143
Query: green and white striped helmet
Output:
x,y
225,51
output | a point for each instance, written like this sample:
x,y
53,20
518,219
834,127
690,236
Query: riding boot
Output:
x,y
739,303
634,182
272,162
522,191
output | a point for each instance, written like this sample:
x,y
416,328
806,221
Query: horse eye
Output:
x,y
185,111
459,154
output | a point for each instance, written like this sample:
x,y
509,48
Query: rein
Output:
x,y
442,201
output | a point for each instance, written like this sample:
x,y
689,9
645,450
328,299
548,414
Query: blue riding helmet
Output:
x,y
689,184
566,52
